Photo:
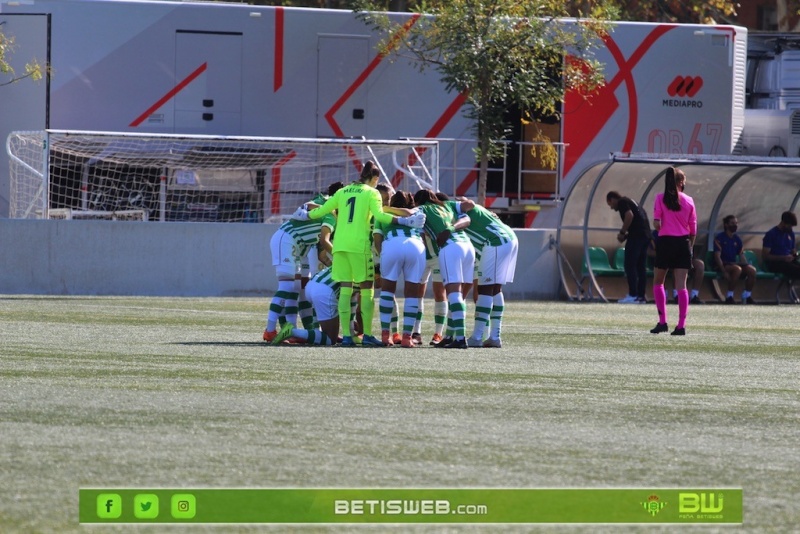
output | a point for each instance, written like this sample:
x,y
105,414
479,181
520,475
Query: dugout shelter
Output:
x,y
756,190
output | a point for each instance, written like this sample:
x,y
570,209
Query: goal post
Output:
x,y
27,187
163,177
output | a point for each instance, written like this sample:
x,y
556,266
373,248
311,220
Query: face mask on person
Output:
x,y
681,187
733,228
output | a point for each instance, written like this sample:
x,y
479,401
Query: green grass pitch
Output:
x,y
178,392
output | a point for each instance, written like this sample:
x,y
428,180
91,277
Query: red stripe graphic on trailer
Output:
x,y
437,127
329,115
361,79
277,75
275,203
174,91
434,132
464,186
582,130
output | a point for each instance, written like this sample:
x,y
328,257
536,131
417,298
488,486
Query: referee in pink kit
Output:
x,y
675,219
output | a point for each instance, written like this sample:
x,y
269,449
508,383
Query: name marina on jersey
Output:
x,y
357,187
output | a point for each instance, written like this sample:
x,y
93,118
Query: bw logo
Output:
x,y
704,503
653,505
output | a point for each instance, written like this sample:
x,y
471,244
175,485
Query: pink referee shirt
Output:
x,y
676,223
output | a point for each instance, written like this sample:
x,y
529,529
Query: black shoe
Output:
x,y
748,300
660,327
444,342
457,344
678,332
730,300
695,300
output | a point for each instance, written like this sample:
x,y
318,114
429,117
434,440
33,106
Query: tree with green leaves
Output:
x,y
32,70
500,54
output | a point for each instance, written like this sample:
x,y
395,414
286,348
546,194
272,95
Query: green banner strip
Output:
x,y
370,505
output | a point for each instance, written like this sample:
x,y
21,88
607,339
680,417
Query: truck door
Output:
x,y
211,101
341,93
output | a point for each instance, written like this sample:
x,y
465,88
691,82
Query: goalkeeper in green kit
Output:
x,y
357,204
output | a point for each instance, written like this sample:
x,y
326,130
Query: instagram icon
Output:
x,y
184,506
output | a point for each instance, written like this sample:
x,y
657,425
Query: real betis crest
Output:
x,y
653,505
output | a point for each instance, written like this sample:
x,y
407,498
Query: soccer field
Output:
x,y
179,392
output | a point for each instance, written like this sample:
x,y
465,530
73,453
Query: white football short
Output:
x,y
457,262
284,254
498,264
323,299
403,256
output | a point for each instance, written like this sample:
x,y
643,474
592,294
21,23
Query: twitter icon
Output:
x,y
145,506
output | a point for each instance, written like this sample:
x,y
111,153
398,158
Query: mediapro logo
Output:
x,y
685,86
682,91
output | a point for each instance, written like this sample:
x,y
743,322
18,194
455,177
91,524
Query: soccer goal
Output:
x,y
151,177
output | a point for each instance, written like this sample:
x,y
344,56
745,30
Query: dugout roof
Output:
x,y
756,190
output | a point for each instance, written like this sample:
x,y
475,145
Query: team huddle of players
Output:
x,y
366,236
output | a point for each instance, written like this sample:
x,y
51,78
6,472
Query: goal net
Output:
x,y
106,175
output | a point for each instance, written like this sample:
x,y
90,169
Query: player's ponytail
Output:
x,y
369,171
671,200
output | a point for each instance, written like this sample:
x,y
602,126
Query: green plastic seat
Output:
x,y
598,259
752,258
764,273
711,271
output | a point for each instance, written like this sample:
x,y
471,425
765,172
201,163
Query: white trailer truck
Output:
x,y
228,69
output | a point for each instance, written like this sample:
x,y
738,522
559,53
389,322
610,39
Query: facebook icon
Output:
x,y
109,506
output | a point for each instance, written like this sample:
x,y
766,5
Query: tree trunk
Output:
x,y
482,176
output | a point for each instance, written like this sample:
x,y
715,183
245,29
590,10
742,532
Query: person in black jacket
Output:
x,y
636,235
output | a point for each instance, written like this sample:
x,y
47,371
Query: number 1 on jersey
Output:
x,y
352,203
